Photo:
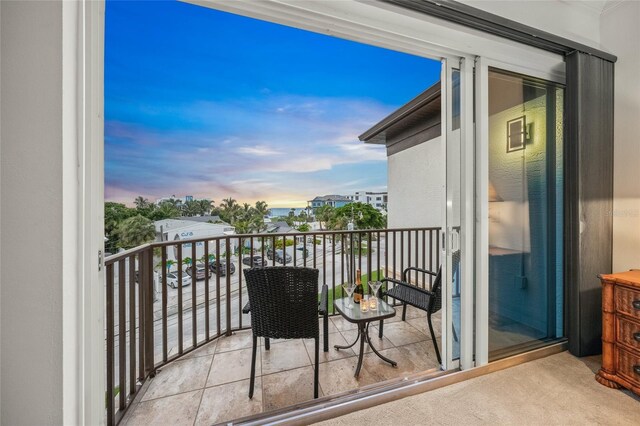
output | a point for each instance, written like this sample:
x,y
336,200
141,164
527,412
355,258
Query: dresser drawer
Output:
x,y
628,365
628,301
628,333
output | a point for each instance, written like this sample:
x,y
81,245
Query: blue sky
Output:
x,y
210,104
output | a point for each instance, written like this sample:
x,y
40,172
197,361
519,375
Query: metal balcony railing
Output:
x,y
156,312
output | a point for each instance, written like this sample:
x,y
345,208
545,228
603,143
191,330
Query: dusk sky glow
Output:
x,y
215,105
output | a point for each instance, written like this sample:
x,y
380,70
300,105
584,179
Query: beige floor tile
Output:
x,y
176,410
421,357
179,376
230,401
342,324
375,370
288,388
412,312
239,340
207,349
233,366
333,354
283,356
337,376
384,343
332,327
401,333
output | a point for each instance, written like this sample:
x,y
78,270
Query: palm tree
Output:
x,y
230,210
324,214
192,208
206,206
136,231
141,202
262,208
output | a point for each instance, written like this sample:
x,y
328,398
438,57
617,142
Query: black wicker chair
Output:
x,y
283,301
427,300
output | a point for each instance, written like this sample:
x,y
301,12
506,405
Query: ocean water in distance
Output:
x,y
283,211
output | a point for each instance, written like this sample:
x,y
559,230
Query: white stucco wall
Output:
x,y
620,33
415,186
31,368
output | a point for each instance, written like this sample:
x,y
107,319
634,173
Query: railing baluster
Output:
x,y
324,259
165,338
207,272
408,254
273,251
369,258
122,334
313,244
148,314
228,276
378,256
141,326
180,299
424,265
295,249
401,253
132,325
240,251
395,271
194,296
417,254
430,257
333,265
110,345
218,269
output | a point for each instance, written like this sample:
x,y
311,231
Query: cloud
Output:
x,y
246,149
262,151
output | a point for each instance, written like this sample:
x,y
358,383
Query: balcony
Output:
x,y
182,355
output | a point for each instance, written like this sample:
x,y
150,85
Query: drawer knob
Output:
x,y
636,304
636,368
636,336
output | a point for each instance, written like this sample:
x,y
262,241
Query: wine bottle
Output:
x,y
358,293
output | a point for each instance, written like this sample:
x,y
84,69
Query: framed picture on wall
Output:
x,y
516,134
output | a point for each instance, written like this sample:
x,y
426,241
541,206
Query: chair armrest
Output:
x,y
323,306
413,268
412,287
246,309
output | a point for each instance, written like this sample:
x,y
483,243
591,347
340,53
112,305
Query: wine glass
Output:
x,y
375,286
349,288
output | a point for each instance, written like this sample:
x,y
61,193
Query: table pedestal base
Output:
x,y
363,336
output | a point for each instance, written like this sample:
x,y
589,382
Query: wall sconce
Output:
x,y
518,134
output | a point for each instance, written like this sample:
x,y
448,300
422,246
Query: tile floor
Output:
x,y
211,384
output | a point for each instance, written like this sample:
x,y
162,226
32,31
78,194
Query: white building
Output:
x,y
177,229
376,199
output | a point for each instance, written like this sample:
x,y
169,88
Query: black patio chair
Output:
x,y
409,294
283,302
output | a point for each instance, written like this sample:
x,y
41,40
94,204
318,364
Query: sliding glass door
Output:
x,y
525,191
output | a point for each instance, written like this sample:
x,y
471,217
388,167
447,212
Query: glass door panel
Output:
x,y
525,212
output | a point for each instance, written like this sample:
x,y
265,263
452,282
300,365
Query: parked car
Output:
x,y
219,267
172,279
201,271
257,260
281,257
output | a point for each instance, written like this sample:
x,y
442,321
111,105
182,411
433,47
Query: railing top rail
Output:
x,y
125,254
122,255
286,234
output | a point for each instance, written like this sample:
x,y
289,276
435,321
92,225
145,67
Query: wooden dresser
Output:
x,y
621,331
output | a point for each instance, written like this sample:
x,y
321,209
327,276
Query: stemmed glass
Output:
x,y
349,288
375,286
